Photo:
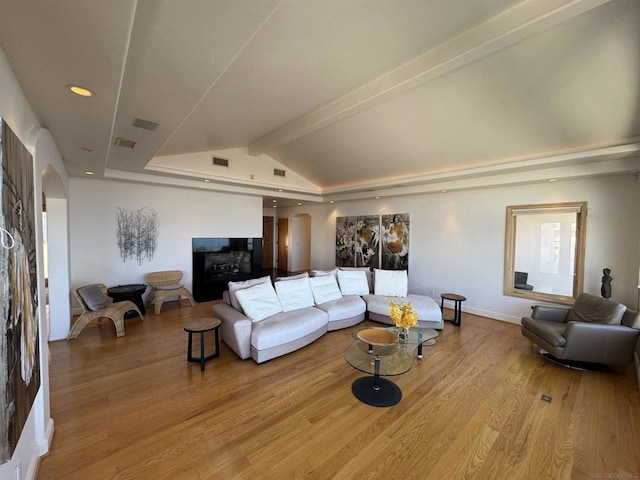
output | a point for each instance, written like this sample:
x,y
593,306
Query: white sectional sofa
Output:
x,y
261,320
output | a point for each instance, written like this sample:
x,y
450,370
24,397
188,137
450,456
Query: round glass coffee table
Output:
x,y
380,351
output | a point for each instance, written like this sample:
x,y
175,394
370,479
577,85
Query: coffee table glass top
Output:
x,y
396,358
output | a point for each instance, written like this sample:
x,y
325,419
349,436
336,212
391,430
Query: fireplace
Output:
x,y
218,261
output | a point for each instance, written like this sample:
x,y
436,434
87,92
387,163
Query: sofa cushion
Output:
x,y
259,301
93,297
367,271
353,282
286,327
325,288
428,310
594,309
344,307
235,286
393,283
295,294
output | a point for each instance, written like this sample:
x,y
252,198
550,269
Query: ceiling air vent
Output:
x,y
278,172
123,142
146,124
220,162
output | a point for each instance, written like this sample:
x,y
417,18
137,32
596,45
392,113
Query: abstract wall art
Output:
x,y
19,335
395,241
137,233
373,241
345,241
367,247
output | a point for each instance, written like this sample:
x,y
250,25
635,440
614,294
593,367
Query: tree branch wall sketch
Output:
x,y
137,233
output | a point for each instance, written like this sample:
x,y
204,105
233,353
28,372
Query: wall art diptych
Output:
x,y
137,233
19,329
395,241
373,241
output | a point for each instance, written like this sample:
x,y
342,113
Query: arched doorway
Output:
x,y
56,239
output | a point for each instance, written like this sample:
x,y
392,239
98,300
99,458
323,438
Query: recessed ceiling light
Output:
x,y
88,172
78,90
443,191
553,179
274,200
280,190
377,198
275,206
299,204
331,201
206,180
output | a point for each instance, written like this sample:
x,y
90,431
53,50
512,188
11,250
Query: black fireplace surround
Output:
x,y
218,261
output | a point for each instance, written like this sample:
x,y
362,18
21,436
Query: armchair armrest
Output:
x,y
236,329
552,313
600,343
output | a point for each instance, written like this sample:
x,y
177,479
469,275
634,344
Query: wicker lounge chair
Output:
x,y
97,305
166,285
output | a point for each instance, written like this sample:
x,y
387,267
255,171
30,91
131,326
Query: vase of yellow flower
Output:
x,y
404,316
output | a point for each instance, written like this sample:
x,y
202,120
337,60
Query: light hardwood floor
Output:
x,y
132,407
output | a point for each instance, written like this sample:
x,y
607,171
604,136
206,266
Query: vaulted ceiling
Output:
x,y
345,97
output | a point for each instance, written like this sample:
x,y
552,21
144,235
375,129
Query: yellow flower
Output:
x,y
403,314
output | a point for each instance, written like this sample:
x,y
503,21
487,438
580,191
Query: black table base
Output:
x,y
376,391
132,293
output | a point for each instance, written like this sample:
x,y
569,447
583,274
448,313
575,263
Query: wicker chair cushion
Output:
x,y
175,286
93,297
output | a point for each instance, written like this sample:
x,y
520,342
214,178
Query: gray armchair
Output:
x,y
594,330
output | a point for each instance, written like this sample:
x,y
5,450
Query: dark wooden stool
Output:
x,y
457,307
202,325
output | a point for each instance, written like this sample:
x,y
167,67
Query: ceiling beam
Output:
x,y
510,27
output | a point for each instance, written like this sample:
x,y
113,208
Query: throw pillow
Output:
x,y
236,286
322,273
353,282
366,270
325,288
391,283
293,277
295,294
93,297
259,301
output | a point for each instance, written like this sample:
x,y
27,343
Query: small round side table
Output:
x,y
202,325
457,307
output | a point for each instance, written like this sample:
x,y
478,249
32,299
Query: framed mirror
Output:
x,y
544,251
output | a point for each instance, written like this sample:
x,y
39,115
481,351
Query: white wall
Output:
x,y
182,215
458,238
300,243
15,110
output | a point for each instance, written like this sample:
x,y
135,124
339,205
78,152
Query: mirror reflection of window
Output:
x,y
544,252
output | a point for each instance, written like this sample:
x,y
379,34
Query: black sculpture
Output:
x,y
605,290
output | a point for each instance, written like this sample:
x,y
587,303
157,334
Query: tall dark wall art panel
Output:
x,y
19,351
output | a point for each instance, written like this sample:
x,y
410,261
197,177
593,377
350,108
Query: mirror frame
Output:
x,y
510,247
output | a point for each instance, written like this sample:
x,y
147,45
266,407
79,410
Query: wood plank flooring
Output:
x,y
133,408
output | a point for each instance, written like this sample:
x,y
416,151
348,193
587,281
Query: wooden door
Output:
x,y
267,242
283,245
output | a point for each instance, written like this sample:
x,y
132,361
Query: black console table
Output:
x,y
132,293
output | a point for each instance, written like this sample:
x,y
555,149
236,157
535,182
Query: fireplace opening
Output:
x,y
218,261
